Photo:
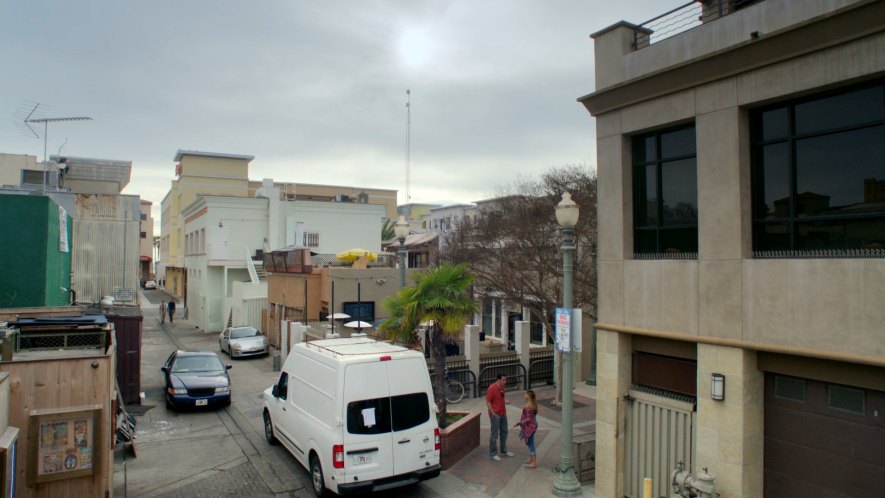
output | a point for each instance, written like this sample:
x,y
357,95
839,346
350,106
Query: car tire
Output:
x,y
169,405
316,477
268,429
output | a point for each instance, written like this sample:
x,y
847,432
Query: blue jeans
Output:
x,y
531,444
499,428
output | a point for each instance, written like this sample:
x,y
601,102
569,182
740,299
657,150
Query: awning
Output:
x,y
145,259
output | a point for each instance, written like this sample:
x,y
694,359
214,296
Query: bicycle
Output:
x,y
454,389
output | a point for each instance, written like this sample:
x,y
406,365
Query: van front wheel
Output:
x,y
268,429
316,477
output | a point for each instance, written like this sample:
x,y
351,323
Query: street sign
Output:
x,y
124,294
563,329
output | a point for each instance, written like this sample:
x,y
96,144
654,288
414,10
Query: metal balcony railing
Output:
x,y
684,18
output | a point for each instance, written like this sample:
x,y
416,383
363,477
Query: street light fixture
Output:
x,y
401,230
566,484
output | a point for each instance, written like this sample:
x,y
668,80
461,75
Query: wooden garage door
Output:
x,y
823,440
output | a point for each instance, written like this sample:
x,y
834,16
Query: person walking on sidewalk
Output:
x,y
171,309
162,312
528,425
497,404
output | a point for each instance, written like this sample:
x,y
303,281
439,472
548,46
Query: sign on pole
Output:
x,y
563,329
577,336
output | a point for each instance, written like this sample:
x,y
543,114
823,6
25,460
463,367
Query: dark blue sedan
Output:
x,y
195,379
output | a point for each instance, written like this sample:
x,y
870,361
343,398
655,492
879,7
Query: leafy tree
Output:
x,y
441,299
513,245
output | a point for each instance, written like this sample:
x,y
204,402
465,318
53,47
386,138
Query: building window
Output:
x,y
143,217
789,388
202,240
846,399
819,173
143,235
665,192
311,239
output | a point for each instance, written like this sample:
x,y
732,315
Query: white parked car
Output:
x,y
242,341
358,414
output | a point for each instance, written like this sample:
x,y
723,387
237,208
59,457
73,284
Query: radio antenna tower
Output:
x,y
408,144
28,120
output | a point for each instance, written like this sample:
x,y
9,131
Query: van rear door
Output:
x,y
412,418
368,442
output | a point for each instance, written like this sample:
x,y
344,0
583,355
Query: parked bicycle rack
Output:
x,y
466,378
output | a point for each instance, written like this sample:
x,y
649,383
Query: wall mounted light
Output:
x,y
717,387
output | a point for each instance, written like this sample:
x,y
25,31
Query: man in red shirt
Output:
x,y
497,403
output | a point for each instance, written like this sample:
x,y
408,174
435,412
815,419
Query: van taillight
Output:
x,y
385,358
436,439
338,456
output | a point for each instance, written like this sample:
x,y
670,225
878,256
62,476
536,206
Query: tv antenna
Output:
x,y
408,143
31,119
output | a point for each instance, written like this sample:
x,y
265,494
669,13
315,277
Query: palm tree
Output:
x,y
387,231
439,298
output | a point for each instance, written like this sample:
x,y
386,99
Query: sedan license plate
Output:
x,y
362,459
202,402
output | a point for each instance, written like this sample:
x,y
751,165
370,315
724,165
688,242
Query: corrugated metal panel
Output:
x,y
108,207
104,256
660,434
249,312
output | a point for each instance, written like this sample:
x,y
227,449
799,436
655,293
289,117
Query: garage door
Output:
x,y
823,440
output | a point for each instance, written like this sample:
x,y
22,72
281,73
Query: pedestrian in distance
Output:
x,y
528,425
171,309
497,404
162,312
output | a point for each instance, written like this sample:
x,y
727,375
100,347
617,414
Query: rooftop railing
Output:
x,y
684,18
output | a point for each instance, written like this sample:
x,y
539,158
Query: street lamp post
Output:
x,y
401,230
566,484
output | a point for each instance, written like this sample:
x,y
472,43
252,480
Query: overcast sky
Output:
x,y
315,90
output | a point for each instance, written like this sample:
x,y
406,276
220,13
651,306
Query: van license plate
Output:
x,y
362,459
202,402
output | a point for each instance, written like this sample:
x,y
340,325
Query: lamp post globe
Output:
x,y
401,230
566,483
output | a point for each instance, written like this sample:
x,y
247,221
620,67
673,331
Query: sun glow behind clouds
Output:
x,y
416,48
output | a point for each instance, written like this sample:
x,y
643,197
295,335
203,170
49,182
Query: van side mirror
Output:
x,y
275,390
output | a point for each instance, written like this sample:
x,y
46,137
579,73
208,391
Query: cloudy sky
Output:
x,y
315,90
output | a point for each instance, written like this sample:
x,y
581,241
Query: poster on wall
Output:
x,y
63,444
62,230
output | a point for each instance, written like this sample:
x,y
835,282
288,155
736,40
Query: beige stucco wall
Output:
x,y
807,306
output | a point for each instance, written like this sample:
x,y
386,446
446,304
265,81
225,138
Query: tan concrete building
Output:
x,y
146,236
741,230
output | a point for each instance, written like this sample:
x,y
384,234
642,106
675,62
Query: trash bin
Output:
x,y
276,363
584,454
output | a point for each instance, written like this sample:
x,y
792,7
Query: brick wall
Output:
x,y
459,439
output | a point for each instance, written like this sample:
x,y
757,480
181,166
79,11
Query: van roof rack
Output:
x,y
347,346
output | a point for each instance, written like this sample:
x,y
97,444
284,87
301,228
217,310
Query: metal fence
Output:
x,y
541,366
507,363
35,341
684,18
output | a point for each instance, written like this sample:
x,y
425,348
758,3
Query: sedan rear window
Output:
x,y
378,415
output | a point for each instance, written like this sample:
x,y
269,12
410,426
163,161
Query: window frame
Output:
x,y
757,173
638,163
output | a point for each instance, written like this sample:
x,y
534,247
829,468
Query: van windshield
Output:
x,y
379,415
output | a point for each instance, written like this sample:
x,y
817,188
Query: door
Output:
x,y
412,418
368,441
660,433
823,439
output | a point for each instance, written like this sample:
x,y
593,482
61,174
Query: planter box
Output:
x,y
459,439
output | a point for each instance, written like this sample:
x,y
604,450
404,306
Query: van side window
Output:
x,y
283,386
409,410
369,416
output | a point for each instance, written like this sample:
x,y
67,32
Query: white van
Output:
x,y
357,413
